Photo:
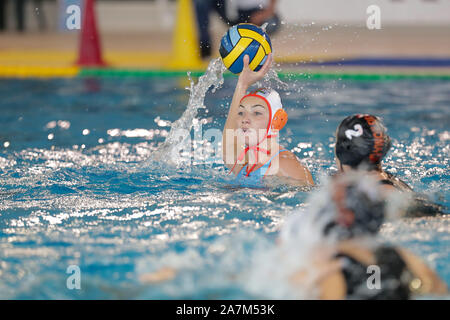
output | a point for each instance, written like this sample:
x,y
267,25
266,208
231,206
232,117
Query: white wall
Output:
x,y
159,15
136,16
393,12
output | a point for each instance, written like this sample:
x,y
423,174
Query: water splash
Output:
x,y
179,133
288,270
213,77
269,78
271,74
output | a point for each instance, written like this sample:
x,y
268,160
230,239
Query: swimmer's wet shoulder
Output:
x,y
291,167
286,166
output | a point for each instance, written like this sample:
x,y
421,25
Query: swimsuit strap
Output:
x,y
395,182
266,166
255,150
386,181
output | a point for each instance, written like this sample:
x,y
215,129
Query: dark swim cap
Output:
x,y
358,210
362,139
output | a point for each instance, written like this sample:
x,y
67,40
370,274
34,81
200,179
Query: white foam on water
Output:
x,y
213,77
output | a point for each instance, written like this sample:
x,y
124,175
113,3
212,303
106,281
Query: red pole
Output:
x,y
90,51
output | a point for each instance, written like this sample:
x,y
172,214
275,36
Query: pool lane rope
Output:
x,y
75,71
286,75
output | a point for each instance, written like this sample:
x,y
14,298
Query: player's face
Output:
x,y
252,120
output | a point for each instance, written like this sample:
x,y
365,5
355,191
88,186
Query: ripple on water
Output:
x,y
96,201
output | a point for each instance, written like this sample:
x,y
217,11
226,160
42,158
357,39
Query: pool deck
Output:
x,y
299,49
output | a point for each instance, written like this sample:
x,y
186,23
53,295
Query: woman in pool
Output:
x,y
361,144
349,262
250,148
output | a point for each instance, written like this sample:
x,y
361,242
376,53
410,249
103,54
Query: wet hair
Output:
x,y
358,212
362,141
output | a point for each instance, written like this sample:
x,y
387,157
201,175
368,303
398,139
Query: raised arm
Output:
x,y
246,79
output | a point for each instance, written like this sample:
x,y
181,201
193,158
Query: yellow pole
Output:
x,y
185,50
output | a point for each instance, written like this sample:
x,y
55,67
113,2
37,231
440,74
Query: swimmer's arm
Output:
x,y
331,281
229,143
326,276
333,287
246,79
291,167
431,283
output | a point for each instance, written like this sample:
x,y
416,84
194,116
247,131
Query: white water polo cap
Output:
x,y
277,116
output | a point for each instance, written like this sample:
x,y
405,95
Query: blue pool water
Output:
x,y
77,186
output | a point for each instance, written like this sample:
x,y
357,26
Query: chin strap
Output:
x,y
255,150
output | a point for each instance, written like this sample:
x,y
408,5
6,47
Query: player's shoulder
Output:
x,y
287,156
289,162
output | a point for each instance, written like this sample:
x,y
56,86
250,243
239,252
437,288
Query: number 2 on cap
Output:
x,y
354,133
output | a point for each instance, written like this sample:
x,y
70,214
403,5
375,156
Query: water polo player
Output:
x,y
344,263
250,148
361,143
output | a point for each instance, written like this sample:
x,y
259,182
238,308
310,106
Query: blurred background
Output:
x,y
141,33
